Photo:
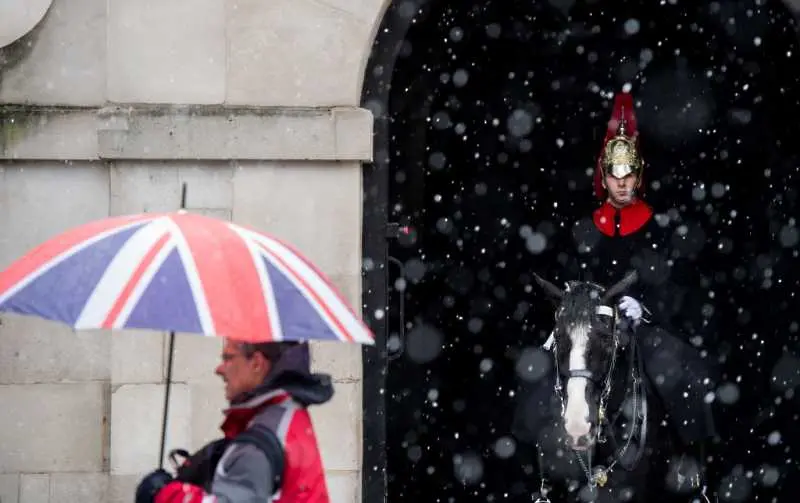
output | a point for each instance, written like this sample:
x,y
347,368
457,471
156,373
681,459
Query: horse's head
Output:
x,y
585,347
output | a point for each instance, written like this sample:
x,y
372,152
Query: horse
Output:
x,y
600,428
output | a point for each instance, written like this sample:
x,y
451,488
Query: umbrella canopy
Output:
x,y
179,272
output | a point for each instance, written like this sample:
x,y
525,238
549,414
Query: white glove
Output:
x,y
631,309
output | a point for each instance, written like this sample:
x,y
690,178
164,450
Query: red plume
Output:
x,y
623,110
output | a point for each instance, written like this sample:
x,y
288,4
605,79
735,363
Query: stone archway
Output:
x,y
691,177
19,18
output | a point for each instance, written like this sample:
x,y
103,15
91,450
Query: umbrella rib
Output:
x,y
319,306
193,277
334,304
273,315
137,283
42,269
107,291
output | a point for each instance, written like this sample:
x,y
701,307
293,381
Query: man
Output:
x,y
622,235
269,452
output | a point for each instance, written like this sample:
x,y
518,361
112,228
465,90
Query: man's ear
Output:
x,y
262,362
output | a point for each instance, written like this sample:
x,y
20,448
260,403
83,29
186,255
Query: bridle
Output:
x,y
598,476
587,374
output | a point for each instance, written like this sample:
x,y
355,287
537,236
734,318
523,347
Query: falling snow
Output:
x,y
496,120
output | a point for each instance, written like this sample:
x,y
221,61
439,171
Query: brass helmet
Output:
x,y
620,154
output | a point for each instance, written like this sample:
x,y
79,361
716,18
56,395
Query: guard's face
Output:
x,y
621,189
239,372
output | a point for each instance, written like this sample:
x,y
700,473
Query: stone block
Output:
x,y
46,198
188,133
137,357
155,186
65,63
36,418
225,133
196,357
144,188
34,488
33,350
122,488
79,487
56,135
209,186
220,213
369,11
136,414
208,402
9,488
354,131
294,53
58,487
343,486
298,202
337,424
166,51
342,361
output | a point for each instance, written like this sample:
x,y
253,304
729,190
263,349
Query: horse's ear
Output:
x,y
548,287
620,286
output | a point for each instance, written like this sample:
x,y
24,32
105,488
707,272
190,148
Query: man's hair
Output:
x,y
272,351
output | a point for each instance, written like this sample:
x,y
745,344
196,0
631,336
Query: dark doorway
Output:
x,y
489,118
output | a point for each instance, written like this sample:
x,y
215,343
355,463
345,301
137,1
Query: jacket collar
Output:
x,y
630,218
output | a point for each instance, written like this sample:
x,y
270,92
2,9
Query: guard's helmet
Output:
x,y
620,154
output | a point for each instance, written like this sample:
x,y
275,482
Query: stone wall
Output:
x,y
106,107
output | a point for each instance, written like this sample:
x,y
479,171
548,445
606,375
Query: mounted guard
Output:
x,y
616,350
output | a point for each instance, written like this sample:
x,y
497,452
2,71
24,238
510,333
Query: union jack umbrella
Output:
x,y
179,272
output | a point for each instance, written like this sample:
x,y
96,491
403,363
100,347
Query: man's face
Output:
x,y
241,373
620,190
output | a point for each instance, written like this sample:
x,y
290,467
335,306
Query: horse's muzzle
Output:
x,y
580,441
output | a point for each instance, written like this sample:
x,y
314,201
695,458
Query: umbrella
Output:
x,y
179,272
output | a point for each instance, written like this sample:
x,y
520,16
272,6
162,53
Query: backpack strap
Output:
x,y
267,441
198,468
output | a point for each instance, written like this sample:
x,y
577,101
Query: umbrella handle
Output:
x,y
169,369
166,400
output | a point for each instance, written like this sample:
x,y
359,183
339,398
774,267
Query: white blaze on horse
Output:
x,y
577,421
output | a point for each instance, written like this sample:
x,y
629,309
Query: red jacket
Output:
x,y
243,474
630,218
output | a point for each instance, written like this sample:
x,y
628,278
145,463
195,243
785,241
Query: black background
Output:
x,y
734,64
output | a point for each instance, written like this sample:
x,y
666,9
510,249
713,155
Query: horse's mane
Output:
x,y
579,301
